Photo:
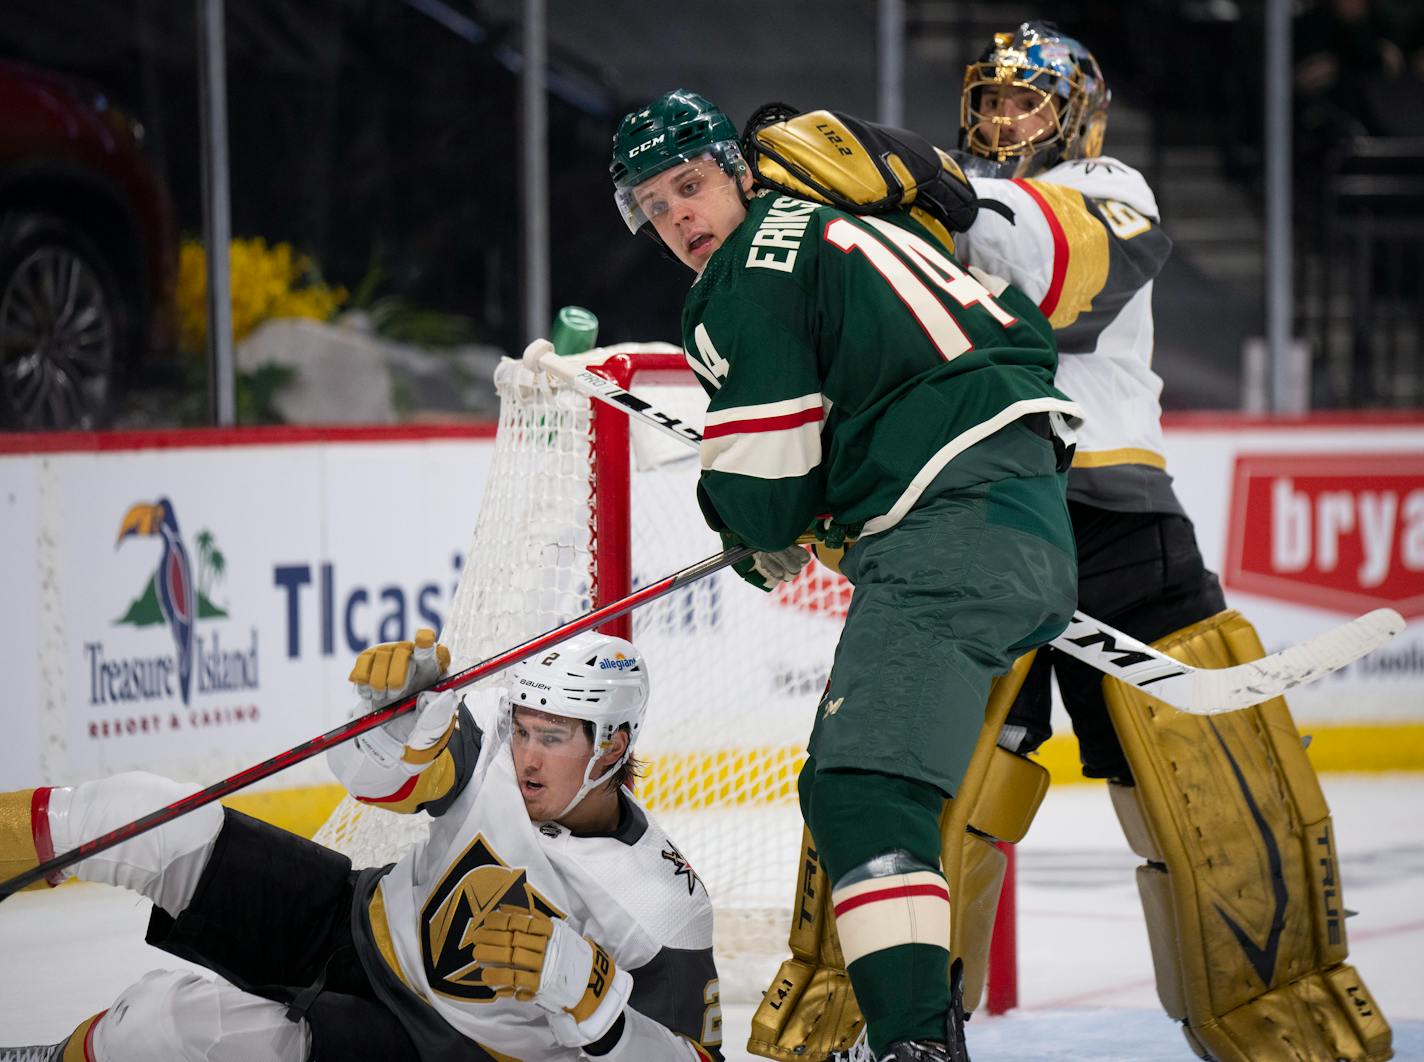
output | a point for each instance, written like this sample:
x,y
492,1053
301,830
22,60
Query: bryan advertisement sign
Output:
x,y
194,611
1309,524
1330,531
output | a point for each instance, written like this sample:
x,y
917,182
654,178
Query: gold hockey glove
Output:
x,y
535,959
858,166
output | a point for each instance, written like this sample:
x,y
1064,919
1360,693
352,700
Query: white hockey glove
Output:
x,y
380,762
543,961
765,570
784,565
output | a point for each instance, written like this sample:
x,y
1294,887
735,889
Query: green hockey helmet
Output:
x,y
679,126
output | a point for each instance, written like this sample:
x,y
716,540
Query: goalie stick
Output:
x,y
380,716
1200,691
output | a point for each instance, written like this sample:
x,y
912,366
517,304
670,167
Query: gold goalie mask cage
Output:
x,y
1035,98
856,166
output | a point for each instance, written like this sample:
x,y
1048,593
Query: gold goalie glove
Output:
x,y
1241,888
405,763
810,1010
858,166
535,959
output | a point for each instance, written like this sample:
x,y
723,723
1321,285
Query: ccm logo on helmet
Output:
x,y
647,144
621,663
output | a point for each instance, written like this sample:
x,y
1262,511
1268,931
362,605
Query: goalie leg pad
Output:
x,y
810,1010
172,1014
163,864
1008,793
1241,889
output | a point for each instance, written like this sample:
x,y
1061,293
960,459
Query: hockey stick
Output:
x,y
1200,691
1210,690
380,716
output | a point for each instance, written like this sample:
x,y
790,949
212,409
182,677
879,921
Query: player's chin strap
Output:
x,y
589,785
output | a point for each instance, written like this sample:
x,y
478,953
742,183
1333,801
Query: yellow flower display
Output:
x,y
265,282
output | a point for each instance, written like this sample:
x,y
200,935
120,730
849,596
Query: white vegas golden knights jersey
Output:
x,y
1086,244
632,892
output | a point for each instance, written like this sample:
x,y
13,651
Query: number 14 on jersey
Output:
x,y
938,268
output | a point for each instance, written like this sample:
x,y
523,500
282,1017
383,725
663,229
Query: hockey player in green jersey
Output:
x,y
861,381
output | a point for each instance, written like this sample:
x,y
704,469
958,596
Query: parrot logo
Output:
x,y
172,584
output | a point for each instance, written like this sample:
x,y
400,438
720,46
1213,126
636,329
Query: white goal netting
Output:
x,y
735,673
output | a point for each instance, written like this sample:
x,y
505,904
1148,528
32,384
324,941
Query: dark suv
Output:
x,y
88,252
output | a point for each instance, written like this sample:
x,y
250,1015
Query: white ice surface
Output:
x,y
1086,989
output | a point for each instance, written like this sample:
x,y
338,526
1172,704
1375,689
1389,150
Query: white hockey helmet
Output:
x,y
594,677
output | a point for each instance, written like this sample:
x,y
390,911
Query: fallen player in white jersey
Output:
x,y
546,919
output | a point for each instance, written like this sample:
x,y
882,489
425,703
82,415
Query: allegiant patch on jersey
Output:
x,y
778,237
477,883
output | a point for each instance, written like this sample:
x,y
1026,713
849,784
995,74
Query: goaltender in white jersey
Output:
x,y
546,919
1085,242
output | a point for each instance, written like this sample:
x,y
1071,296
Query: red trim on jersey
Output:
x,y
89,1035
895,893
396,797
206,438
1060,248
780,423
39,830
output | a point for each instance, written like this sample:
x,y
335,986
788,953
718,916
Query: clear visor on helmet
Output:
x,y
1010,113
544,735
710,171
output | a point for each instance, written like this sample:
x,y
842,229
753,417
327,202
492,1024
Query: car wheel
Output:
x,y
62,325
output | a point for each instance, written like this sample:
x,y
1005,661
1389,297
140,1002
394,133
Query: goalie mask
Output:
x,y
677,128
1035,98
594,678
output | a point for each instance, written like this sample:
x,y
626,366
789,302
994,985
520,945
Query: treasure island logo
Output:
x,y
178,599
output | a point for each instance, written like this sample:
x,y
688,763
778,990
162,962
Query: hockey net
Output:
x,y
579,508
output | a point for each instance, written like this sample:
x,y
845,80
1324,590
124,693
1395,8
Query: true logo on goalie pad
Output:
x,y
477,883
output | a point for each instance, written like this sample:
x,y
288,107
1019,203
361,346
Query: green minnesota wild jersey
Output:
x,y
849,359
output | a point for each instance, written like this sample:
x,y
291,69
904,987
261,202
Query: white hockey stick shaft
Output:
x,y
1209,690
1198,690
589,383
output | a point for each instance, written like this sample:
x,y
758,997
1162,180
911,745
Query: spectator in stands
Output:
x,y
1346,51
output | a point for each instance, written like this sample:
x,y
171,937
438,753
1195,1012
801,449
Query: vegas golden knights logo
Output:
x,y
477,883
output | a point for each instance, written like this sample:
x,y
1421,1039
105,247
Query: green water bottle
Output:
x,y
574,331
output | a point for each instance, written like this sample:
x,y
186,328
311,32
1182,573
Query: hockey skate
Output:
x,y
49,1053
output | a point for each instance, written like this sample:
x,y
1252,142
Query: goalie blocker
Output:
x,y
1249,963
